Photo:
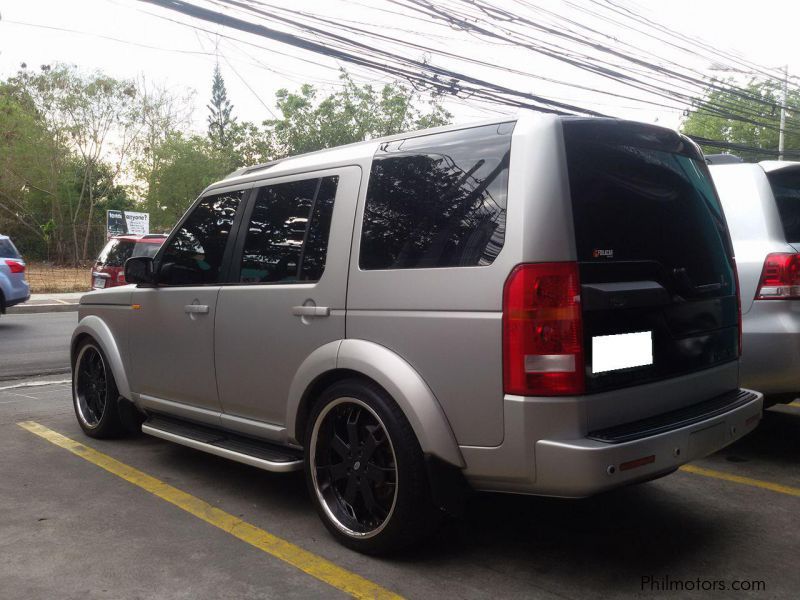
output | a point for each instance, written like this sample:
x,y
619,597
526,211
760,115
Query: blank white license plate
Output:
x,y
99,282
622,351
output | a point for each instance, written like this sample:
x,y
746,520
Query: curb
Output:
x,y
30,309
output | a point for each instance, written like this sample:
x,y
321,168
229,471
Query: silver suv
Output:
x,y
762,206
544,306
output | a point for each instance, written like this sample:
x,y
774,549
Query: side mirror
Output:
x,y
139,269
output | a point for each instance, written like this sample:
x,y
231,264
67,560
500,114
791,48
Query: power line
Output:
x,y
637,73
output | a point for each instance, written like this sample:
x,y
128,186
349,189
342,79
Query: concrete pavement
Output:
x,y
35,344
43,303
73,530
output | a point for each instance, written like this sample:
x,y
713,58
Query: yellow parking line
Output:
x,y
309,563
796,403
764,485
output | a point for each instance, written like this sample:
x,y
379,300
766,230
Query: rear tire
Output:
x,y
365,470
94,393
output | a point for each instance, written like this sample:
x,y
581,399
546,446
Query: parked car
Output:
x,y
762,207
542,305
14,287
109,268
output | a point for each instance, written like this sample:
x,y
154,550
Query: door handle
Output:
x,y
311,311
196,309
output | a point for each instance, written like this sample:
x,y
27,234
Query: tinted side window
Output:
x,y
316,248
194,254
438,201
287,238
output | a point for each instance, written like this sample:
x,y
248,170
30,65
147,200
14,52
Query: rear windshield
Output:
x,y
643,195
117,252
146,249
786,189
7,249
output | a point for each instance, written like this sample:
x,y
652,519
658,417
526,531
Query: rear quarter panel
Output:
x,y
447,322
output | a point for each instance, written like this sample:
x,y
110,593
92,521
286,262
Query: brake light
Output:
x,y
780,278
542,331
121,276
15,266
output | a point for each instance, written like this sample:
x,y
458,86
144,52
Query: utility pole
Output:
x,y
784,99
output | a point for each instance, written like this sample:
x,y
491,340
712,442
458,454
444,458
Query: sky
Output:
x,y
135,40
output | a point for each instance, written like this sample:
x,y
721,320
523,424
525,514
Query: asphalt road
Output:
x,y
35,344
74,529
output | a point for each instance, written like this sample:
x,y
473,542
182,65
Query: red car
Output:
x,y
109,269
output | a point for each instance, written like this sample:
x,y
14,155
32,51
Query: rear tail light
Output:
x,y
15,266
780,278
121,276
542,331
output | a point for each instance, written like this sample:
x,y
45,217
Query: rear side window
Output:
x,y
287,237
437,201
642,200
786,189
195,252
7,249
115,253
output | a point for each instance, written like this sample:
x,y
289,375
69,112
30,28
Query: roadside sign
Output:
x,y
119,222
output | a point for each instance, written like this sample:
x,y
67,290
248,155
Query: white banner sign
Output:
x,y
120,222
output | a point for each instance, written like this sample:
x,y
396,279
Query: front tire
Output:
x,y
365,470
94,393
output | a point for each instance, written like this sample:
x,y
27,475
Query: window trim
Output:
x,y
395,149
225,265
241,239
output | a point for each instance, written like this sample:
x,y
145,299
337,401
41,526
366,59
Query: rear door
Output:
x,y
656,268
287,292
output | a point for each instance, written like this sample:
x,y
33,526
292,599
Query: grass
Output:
x,y
45,278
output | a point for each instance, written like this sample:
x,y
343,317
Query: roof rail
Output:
x,y
723,159
253,169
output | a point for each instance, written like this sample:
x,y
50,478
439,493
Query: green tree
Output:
x,y
164,113
97,118
352,114
761,105
31,168
220,121
186,166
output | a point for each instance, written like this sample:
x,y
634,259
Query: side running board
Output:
x,y
256,453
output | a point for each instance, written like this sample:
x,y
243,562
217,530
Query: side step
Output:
x,y
256,453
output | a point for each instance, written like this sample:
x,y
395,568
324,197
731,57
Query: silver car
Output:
x,y
762,207
541,305
13,285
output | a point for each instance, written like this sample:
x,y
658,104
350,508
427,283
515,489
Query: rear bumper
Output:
x,y
568,447
590,465
770,359
16,301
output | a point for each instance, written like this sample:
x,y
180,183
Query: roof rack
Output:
x,y
253,169
723,159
